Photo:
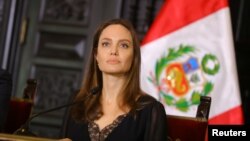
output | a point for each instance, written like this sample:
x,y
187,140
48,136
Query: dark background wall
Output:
x,y
240,11
49,40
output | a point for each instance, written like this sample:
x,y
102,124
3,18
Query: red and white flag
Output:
x,y
188,52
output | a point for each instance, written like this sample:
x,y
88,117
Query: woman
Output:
x,y
120,111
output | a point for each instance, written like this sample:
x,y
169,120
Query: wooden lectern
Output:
x,y
10,137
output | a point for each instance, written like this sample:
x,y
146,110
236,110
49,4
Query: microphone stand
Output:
x,y
24,129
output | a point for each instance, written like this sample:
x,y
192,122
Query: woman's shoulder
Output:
x,y
146,98
148,101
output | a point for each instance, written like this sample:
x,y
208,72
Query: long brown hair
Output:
x,y
91,108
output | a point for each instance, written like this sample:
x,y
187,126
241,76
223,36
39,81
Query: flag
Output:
x,y
188,52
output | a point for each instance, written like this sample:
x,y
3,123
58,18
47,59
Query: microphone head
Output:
x,y
24,130
95,90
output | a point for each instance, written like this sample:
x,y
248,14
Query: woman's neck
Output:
x,y
112,86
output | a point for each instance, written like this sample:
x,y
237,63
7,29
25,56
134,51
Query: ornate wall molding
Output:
x,y
66,11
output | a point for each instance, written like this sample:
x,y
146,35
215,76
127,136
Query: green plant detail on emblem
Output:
x,y
206,69
182,103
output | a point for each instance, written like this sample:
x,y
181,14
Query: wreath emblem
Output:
x,y
174,80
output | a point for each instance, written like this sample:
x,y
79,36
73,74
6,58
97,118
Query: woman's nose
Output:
x,y
114,51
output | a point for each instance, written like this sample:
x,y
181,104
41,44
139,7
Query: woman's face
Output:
x,y
115,50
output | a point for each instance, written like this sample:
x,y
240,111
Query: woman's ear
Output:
x,y
96,58
95,55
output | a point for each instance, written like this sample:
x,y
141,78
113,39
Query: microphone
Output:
x,y
24,129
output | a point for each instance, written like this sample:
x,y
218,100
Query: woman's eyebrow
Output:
x,y
106,39
126,40
120,40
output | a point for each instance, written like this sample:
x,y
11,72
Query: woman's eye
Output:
x,y
124,45
105,44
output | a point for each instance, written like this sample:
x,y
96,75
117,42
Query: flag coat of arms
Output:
x,y
188,52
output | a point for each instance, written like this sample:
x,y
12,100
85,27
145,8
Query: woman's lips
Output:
x,y
113,61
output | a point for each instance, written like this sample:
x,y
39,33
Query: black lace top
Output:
x,y
150,124
96,135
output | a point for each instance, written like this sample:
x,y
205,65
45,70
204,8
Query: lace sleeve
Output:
x,y
156,128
